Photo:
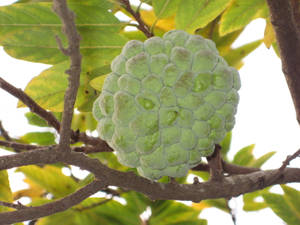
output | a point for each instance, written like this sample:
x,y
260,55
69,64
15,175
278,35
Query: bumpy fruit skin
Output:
x,y
167,102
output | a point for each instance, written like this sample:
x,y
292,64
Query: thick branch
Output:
x,y
30,213
69,28
288,40
225,188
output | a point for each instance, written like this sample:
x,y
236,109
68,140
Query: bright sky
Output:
x,y
265,115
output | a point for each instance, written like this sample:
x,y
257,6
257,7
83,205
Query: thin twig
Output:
x,y
18,147
18,206
288,159
32,105
30,213
142,26
49,117
73,51
4,133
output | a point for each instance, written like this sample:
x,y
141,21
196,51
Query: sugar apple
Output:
x,y
166,104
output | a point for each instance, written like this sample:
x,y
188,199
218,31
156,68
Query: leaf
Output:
x,y
97,82
292,197
50,178
66,218
5,192
174,213
225,145
193,14
83,122
239,14
48,88
244,156
164,25
34,119
136,202
217,203
260,161
41,138
112,213
279,205
269,36
165,8
34,191
250,200
235,56
30,35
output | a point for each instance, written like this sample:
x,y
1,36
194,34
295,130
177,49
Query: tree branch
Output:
x,y
141,24
3,132
18,206
69,28
32,105
289,45
227,187
30,213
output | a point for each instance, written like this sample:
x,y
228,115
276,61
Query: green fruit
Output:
x,y
166,104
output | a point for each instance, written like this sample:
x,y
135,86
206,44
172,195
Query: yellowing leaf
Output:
x,y
165,24
269,36
51,179
97,82
200,206
5,192
34,191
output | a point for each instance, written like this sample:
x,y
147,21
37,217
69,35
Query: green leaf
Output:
x,y
30,35
235,56
244,156
280,206
260,161
48,88
220,203
51,178
66,218
136,202
41,138
34,119
5,192
193,14
292,197
112,213
239,14
165,8
250,200
174,213
225,145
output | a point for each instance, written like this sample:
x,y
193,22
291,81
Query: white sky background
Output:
x,y
265,116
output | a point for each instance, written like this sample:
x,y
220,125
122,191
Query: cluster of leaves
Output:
x,y
28,30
